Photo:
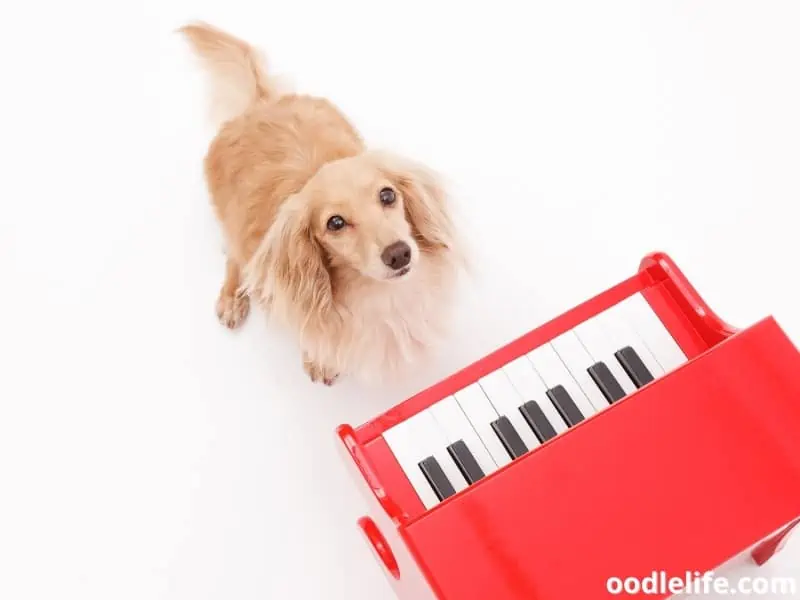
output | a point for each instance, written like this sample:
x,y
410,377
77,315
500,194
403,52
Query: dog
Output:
x,y
353,249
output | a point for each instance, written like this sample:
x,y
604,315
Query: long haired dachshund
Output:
x,y
353,249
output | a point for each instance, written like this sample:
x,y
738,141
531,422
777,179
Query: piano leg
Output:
x,y
767,549
378,544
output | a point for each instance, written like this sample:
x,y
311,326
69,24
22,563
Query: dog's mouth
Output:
x,y
402,272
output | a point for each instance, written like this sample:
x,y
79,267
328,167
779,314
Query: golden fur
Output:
x,y
279,168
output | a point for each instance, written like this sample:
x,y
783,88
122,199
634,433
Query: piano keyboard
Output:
x,y
461,439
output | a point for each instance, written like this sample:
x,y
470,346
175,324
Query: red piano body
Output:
x,y
680,476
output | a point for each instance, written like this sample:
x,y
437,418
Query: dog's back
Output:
x,y
268,144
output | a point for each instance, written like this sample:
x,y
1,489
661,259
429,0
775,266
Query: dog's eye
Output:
x,y
335,223
387,196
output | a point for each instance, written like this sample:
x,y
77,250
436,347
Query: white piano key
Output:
x,y
577,360
409,442
621,333
481,414
652,331
595,339
553,372
506,402
455,426
530,386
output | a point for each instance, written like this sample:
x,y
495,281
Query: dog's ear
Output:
x,y
425,200
289,271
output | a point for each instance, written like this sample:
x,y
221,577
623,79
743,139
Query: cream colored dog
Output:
x,y
353,249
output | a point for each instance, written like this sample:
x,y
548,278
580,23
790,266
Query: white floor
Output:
x,y
146,452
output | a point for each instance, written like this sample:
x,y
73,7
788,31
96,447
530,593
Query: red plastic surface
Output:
x,y
381,548
695,326
716,468
766,550
681,476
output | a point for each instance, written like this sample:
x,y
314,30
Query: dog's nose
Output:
x,y
397,255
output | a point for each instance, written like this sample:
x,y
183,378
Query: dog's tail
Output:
x,y
236,70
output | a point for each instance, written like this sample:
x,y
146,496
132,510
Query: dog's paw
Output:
x,y
319,374
232,309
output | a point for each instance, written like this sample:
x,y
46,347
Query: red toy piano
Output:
x,y
637,432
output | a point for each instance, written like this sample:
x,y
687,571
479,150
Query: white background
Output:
x,y
146,452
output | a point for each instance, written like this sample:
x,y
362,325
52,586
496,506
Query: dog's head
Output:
x,y
375,216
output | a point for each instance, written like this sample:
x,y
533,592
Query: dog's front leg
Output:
x,y
232,305
318,373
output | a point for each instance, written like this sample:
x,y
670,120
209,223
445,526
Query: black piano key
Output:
x,y
565,405
604,379
634,366
509,437
465,462
533,414
436,478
